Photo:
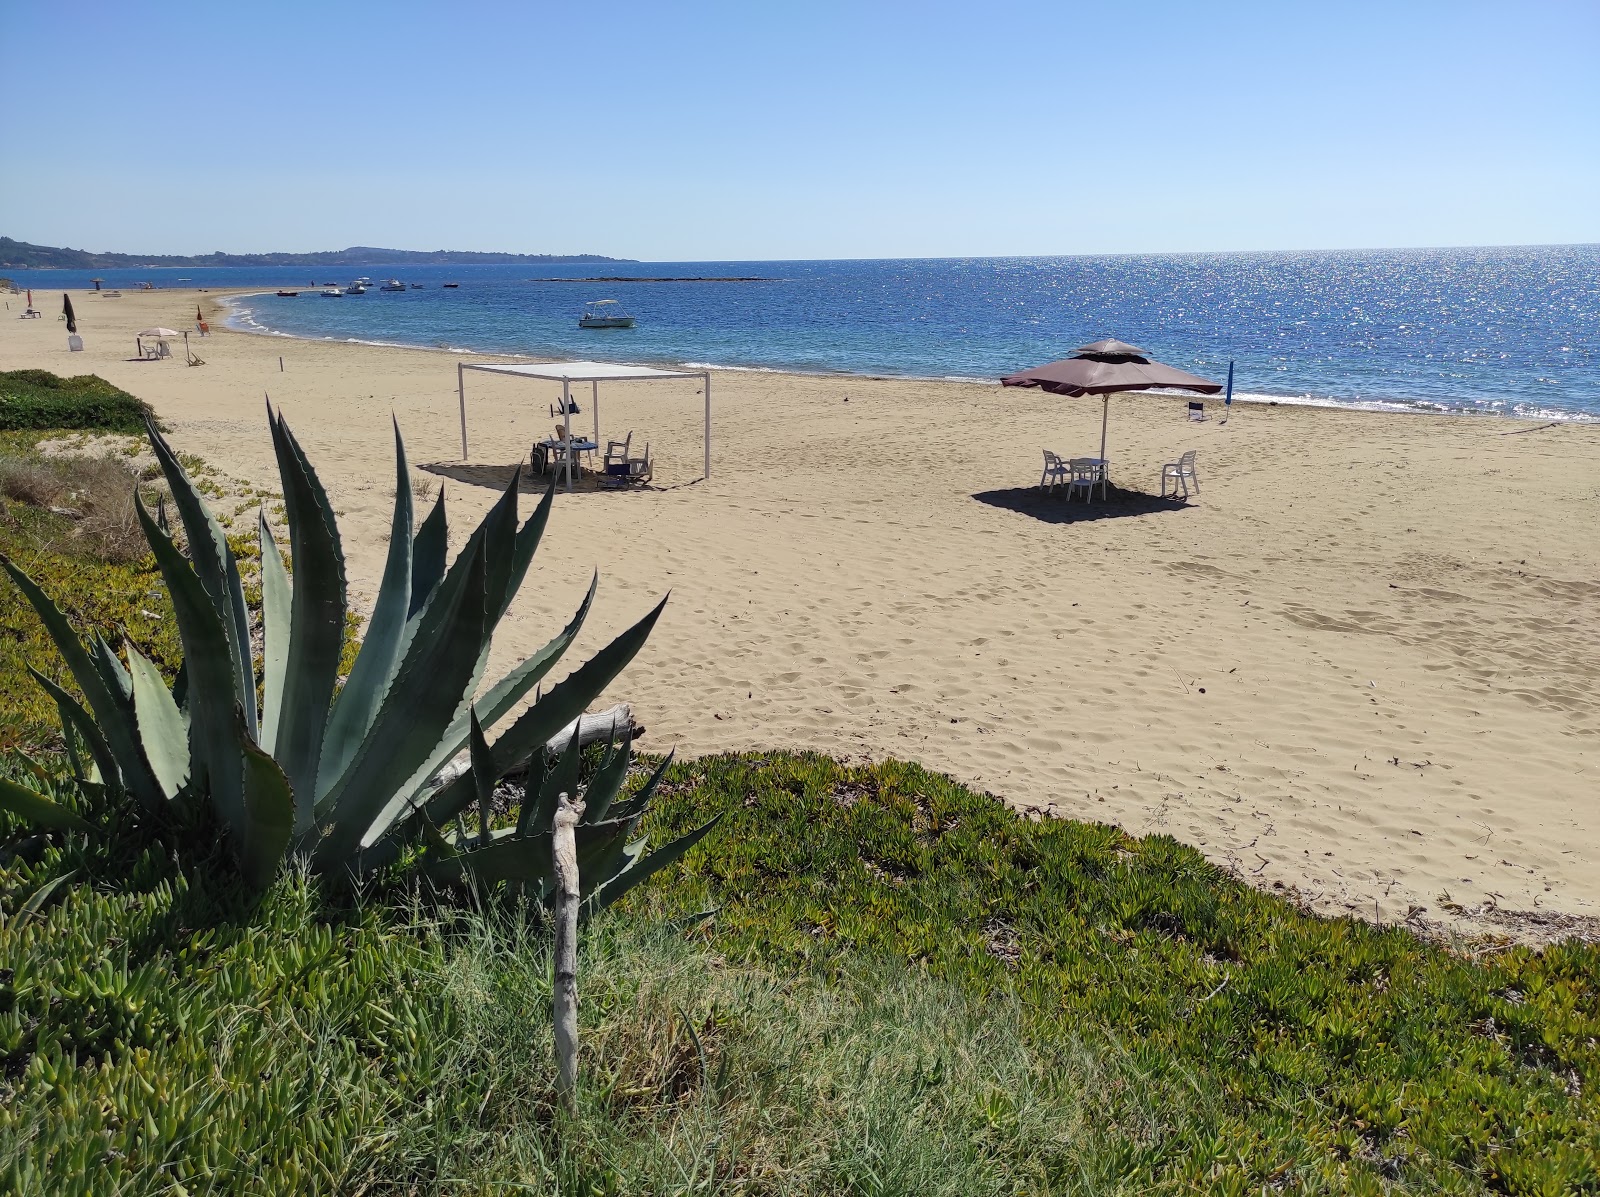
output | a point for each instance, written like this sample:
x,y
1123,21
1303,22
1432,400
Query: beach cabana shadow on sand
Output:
x,y
498,477
1057,509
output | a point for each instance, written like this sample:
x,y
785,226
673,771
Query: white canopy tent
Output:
x,y
594,373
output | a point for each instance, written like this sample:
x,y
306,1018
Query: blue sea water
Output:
x,y
1509,330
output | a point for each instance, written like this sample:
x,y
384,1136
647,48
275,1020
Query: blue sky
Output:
x,y
799,130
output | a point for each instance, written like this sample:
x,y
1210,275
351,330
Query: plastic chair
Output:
x,y
1180,473
640,469
1055,471
617,451
1087,473
1197,410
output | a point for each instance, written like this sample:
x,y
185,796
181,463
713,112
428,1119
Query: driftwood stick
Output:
x,y
564,968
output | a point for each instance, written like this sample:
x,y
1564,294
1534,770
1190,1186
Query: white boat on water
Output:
x,y
331,293
393,284
604,313
359,287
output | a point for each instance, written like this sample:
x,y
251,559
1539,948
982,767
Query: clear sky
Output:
x,y
812,129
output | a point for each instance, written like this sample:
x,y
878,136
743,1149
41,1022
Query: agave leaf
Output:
x,y
500,698
608,778
428,555
643,870
357,704
162,731
73,715
565,702
115,720
215,566
483,777
538,769
214,756
562,779
37,809
433,681
269,811
528,537
276,605
316,621
118,683
525,859
637,804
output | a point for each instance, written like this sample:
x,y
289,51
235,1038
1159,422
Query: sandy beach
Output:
x,y
1364,664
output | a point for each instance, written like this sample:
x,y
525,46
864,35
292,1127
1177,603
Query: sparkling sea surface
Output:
x,y
1512,330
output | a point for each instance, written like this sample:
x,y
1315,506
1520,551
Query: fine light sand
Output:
x,y
1363,665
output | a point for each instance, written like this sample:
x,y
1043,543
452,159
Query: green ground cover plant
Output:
x,y
904,988
38,399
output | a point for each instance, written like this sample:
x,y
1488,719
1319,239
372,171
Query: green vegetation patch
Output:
x,y
1340,1056
905,988
38,399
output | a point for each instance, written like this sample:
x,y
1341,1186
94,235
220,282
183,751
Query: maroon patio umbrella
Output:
x,y
1103,369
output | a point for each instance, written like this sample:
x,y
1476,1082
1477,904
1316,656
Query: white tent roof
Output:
x,y
583,371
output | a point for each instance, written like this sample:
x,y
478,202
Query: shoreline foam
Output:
x,y
1388,406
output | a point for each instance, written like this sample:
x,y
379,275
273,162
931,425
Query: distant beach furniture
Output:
x,y
160,336
594,373
1103,369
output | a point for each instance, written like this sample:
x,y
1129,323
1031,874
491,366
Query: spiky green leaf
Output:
x,y
429,553
276,620
215,762
163,732
381,646
37,809
432,684
215,566
269,811
74,716
115,718
644,869
317,611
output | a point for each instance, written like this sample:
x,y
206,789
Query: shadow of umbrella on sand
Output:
x,y
1105,368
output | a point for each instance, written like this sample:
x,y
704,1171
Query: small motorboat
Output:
x,y
330,284
451,286
331,293
604,313
288,294
416,286
393,284
359,287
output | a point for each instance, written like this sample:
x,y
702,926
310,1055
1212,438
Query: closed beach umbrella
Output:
x,y
66,310
1103,369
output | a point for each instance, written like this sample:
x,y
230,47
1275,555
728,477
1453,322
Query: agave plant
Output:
x,y
347,777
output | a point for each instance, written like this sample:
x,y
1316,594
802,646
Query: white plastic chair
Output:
x,y
1087,473
1055,472
1180,473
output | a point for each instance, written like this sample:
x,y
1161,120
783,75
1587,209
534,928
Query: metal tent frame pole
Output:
x,y
594,402
707,465
461,394
566,424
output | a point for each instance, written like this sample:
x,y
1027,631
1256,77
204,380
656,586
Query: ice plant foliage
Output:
x,y
345,776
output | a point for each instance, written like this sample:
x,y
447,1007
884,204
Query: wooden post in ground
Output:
x,y
564,967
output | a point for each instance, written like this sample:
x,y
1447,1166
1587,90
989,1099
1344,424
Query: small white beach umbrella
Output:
x,y
160,334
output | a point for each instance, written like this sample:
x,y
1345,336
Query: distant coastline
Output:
x,y
23,255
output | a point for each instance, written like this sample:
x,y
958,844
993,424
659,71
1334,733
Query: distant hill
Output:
x,y
24,256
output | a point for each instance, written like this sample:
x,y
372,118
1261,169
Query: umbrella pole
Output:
x,y
1105,414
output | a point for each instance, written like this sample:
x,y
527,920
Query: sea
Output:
x,y
1500,331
